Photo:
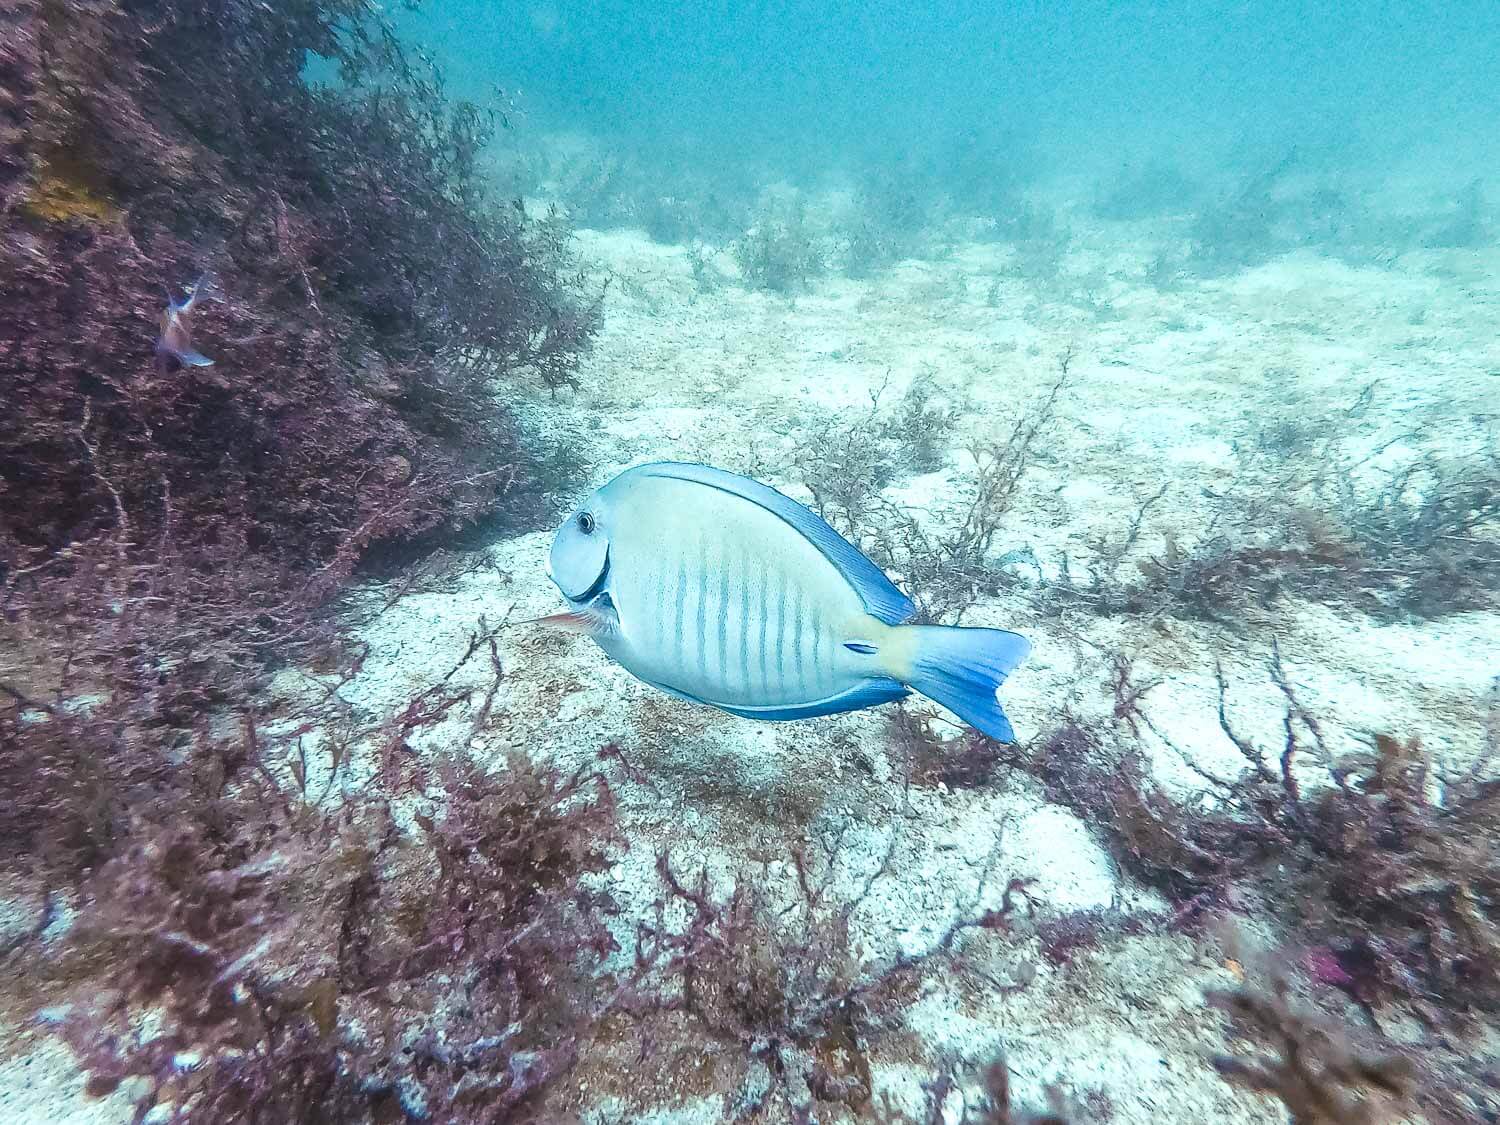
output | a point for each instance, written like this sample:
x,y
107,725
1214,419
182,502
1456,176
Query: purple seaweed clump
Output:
x,y
167,535
308,967
170,534
371,290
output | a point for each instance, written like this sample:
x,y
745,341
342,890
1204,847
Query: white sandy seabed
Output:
x,y
1161,388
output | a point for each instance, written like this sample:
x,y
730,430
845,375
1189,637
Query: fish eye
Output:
x,y
585,523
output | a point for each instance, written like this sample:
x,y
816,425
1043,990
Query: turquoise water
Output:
x,y
804,87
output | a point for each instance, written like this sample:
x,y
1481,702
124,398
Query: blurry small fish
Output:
x,y
718,589
174,347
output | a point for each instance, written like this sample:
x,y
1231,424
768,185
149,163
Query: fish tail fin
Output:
x,y
962,668
205,288
190,358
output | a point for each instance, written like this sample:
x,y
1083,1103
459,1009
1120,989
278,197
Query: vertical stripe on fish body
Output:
x,y
720,599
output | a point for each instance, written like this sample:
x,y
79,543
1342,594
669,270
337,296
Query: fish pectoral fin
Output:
x,y
569,622
590,620
191,358
861,647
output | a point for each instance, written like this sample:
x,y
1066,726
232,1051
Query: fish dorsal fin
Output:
x,y
879,594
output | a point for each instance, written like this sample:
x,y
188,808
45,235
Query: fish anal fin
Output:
x,y
870,693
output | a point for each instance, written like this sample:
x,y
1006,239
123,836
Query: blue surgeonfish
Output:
x,y
174,347
720,590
